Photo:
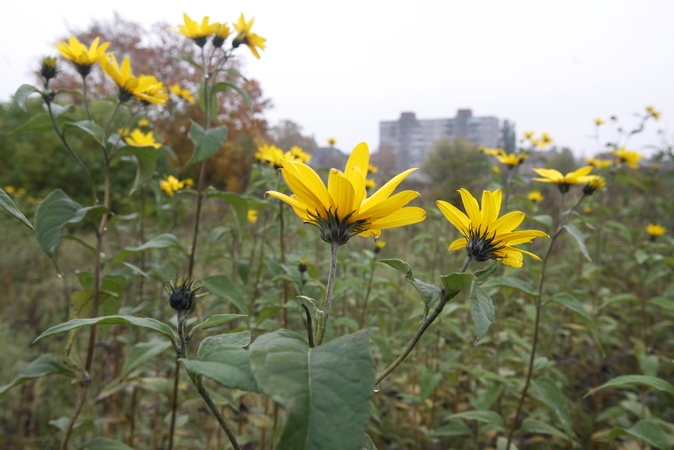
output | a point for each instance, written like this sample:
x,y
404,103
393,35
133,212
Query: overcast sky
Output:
x,y
339,68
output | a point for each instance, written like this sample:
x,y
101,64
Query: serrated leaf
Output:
x,y
510,282
165,240
489,417
553,398
481,309
223,287
224,85
535,426
88,126
143,352
227,365
142,322
101,443
55,211
326,390
23,93
626,381
580,240
44,365
215,320
206,142
569,301
212,343
9,206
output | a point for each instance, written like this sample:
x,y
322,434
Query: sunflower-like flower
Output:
x,y
535,197
270,155
222,32
171,184
492,151
81,56
332,141
485,235
144,123
564,182
245,37
199,33
372,169
343,209
252,215
139,139
627,157
594,183
528,134
48,69
297,154
370,183
599,163
144,88
185,94
150,90
511,160
598,122
655,230
545,139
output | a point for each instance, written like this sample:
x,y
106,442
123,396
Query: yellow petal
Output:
x,y
400,218
507,223
388,206
458,244
455,216
473,210
385,191
342,193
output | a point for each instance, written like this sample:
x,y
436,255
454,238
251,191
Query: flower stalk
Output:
x,y
327,302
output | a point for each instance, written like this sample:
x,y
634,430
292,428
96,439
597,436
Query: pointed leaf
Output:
x,y
39,123
489,417
429,293
486,273
569,301
165,240
456,282
44,365
544,220
149,323
224,85
536,426
215,320
553,398
146,162
228,365
367,443
101,443
223,287
326,390
236,201
9,206
651,433
580,239
206,142
212,343
143,352
481,309
509,282
88,126
23,93
626,381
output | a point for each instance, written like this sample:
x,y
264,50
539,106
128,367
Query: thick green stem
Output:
x,y
422,329
327,303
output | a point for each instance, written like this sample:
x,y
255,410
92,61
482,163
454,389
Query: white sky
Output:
x,y
339,68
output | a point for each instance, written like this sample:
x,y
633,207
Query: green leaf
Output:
x,y
101,443
509,282
149,323
146,162
489,417
143,352
580,239
553,398
326,390
9,206
235,72
367,443
39,123
429,293
215,320
55,211
206,143
569,301
212,343
89,248
456,282
188,59
110,298
88,126
481,309
544,220
626,381
429,382
237,202
228,365
165,240
223,287
536,426
649,432
23,93
46,364
224,85
486,273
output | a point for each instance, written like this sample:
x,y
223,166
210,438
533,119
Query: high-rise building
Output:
x,y
411,140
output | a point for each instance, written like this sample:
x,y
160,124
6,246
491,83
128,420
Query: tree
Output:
x,y
288,134
456,164
508,137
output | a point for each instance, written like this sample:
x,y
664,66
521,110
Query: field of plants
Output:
x,y
177,276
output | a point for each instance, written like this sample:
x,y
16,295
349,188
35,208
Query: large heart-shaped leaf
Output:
x,y
206,142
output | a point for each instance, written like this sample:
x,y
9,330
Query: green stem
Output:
x,y
422,329
327,303
361,321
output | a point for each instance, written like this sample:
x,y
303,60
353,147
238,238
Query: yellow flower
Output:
x,y
545,139
599,122
270,155
370,183
197,32
20,192
81,56
379,245
594,183
496,169
627,157
343,208
185,94
493,151
528,134
512,160
653,113
564,182
245,37
372,169
144,88
171,184
188,182
222,32
252,215
144,123
587,209
485,236
599,163
302,266
150,90
48,69
655,230
139,139
332,141
297,154
535,196
9,189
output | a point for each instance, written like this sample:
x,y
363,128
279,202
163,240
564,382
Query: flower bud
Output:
x,y
302,266
182,295
48,68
